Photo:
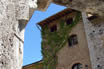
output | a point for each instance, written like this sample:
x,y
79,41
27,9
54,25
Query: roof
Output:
x,y
56,16
32,65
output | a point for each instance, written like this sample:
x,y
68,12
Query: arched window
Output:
x,y
72,40
77,66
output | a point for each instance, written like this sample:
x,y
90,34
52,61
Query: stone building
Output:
x,y
67,44
14,15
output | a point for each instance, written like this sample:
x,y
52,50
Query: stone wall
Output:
x,y
89,6
95,39
14,15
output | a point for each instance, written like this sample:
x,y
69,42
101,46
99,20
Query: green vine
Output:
x,y
54,41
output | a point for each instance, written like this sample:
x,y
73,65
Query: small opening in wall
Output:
x,y
4,51
99,25
99,67
53,28
11,44
2,44
72,40
93,31
86,66
20,51
100,32
2,62
92,16
69,21
70,0
10,40
98,58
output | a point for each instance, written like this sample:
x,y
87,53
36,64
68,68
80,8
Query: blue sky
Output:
x,y
32,43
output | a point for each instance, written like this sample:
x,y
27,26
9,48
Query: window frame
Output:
x,y
68,22
72,40
53,28
77,66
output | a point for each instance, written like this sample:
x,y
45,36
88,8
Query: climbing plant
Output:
x,y
54,41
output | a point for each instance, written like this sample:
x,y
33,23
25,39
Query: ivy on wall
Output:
x,y
54,41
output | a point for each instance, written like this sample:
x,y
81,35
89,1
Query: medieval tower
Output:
x,y
64,44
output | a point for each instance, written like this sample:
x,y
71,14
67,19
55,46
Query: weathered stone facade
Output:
x,y
14,15
88,6
94,7
95,39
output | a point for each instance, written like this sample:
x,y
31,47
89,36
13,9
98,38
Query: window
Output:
x,y
70,0
86,66
77,66
53,28
92,16
99,67
69,21
72,40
